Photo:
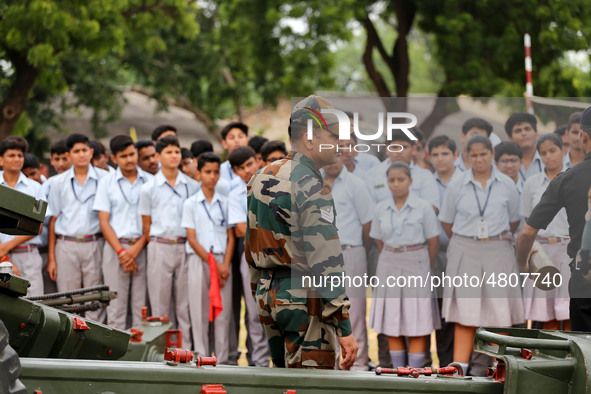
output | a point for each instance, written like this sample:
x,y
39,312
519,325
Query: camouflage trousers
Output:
x,y
292,320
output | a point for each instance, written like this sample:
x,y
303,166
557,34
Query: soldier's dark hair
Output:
x,y
158,131
240,155
479,139
14,142
99,149
554,138
272,146
520,117
201,146
507,148
562,129
399,135
442,140
166,141
141,144
58,147
257,142
401,165
119,143
574,118
234,125
478,123
77,138
186,154
31,161
207,157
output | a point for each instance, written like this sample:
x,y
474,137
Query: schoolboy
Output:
x,y
188,164
508,157
356,163
205,218
32,168
272,151
124,255
244,163
234,134
22,249
147,161
256,143
100,158
161,205
200,146
163,131
59,157
576,154
75,242
522,129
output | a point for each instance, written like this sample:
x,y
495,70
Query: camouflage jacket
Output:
x,y
292,224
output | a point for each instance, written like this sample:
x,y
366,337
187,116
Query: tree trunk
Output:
x,y
405,14
15,100
373,40
443,107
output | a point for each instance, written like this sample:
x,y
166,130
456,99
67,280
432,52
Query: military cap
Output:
x,y
310,108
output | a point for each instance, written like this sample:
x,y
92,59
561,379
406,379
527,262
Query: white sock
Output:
x,y
398,358
416,360
464,367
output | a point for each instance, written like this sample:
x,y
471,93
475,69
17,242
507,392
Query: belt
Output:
x,y
169,241
24,249
128,241
82,239
347,247
506,236
403,248
552,240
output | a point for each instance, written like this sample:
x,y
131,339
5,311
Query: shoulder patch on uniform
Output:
x,y
327,214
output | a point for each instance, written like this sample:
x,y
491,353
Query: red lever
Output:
x,y
201,361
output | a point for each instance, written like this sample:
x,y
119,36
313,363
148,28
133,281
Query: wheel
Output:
x,y
10,366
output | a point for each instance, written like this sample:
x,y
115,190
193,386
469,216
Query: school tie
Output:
x,y
215,297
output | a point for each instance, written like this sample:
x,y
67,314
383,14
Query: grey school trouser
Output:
x,y
167,275
79,265
260,345
28,261
198,293
130,288
356,266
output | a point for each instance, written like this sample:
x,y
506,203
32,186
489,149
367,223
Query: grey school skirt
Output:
x,y
553,304
482,298
409,310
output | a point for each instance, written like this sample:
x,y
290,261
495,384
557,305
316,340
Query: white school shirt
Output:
x,y
30,187
354,207
164,204
237,204
72,202
423,183
536,166
443,238
364,162
209,220
533,190
460,205
226,172
413,224
118,197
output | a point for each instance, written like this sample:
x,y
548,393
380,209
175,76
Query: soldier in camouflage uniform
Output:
x,y
291,233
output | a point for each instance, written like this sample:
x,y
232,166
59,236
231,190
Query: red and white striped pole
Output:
x,y
529,87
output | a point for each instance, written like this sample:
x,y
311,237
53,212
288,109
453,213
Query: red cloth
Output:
x,y
215,297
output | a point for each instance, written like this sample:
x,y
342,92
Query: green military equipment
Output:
x,y
20,214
